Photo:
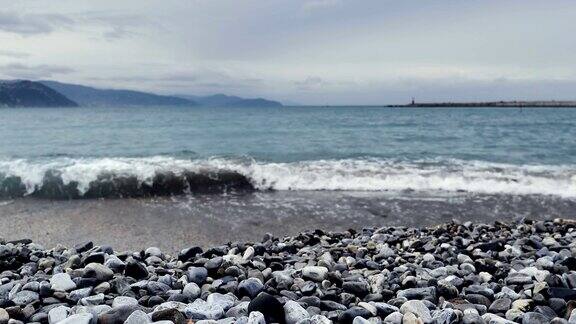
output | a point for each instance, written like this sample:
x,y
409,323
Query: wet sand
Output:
x,y
175,223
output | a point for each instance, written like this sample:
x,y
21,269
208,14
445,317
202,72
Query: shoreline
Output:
x,y
208,220
449,273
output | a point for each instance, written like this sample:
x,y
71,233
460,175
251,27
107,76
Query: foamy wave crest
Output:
x,y
162,175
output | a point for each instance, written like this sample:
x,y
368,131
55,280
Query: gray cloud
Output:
x,y
32,24
34,72
114,25
14,54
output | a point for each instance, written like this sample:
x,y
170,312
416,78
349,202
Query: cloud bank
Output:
x,y
308,51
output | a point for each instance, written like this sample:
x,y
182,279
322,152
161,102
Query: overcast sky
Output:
x,y
304,51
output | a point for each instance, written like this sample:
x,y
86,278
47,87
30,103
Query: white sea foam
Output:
x,y
346,175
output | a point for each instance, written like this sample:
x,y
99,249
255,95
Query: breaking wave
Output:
x,y
65,177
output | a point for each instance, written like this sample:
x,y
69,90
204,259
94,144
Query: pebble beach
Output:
x,y
521,272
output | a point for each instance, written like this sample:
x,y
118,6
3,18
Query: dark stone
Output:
x,y
269,306
308,288
95,258
546,311
86,282
155,300
385,309
569,262
357,288
135,270
83,247
446,290
117,315
564,293
478,299
189,253
179,298
558,305
535,318
213,264
169,314
310,301
250,287
348,316
197,275
500,306
157,288
494,246
330,305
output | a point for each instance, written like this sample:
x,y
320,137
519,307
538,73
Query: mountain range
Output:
x,y
24,93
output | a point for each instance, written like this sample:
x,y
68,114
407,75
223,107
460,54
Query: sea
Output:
x,y
246,171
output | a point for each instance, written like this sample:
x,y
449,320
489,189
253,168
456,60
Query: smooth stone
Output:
x,y
269,306
445,316
153,251
25,297
472,318
225,301
115,264
138,317
495,319
58,314
92,300
418,308
348,316
98,271
360,320
83,318
157,288
250,287
76,295
564,293
522,305
358,288
168,314
314,273
197,275
4,316
238,310
293,312
572,318
62,282
410,318
369,307
124,301
256,317
191,291
201,310
500,305
135,270
394,318
116,314
535,318
384,309
428,293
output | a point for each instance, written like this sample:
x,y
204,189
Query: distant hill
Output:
x,y
221,100
22,93
93,97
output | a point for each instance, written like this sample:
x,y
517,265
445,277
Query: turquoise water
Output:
x,y
531,136
485,151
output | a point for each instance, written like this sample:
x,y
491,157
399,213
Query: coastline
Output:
x,y
451,272
491,104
